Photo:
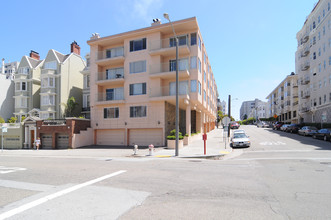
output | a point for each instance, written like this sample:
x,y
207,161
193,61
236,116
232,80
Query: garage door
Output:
x,y
110,137
62,141
145,137
12,142
46,141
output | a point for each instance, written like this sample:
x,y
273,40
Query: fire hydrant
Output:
x,y
135,149
151,149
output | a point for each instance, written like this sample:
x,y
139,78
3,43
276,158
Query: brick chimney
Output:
x,y
34,55
75,48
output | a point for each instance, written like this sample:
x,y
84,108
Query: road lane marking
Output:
x,y
5,170
40,201
269,143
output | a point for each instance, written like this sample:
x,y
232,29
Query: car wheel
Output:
x,y
325,137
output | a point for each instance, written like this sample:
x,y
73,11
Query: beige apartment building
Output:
x,y
27,85
132,84
61,79
283,101
313,65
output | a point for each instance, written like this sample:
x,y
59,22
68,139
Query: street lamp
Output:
x,y
166,16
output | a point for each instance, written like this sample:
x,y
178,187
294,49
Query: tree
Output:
x,y
245,117
70,107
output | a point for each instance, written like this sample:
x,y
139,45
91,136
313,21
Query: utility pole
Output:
x,y
229,114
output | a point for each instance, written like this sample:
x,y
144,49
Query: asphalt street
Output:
x,y
281,176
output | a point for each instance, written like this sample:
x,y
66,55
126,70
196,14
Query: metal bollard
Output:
x,y
135,149
151,149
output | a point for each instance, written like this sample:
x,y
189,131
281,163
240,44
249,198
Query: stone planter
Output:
x,y
171,144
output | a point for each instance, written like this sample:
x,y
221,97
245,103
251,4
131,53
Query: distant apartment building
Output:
x,y
132,84
223,107
313,65
9,69
86,89
253,109
283,101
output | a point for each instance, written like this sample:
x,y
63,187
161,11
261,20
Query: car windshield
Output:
x,y
239,135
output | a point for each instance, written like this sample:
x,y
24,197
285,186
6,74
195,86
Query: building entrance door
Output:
x,y
32,138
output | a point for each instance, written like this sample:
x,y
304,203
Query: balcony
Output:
x,y
168,70
111,56
295,95
110,98
295,103
305,109
167,47
295,85
104,78
305,95
305,81
305,38
305,66
168,93
305,52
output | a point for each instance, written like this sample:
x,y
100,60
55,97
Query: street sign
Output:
x,y
226,121
275,116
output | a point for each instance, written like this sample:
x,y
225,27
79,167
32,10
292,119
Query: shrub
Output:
x,y
12,120
2,120
172,135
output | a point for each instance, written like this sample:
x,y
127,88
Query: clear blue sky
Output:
x,y
250,44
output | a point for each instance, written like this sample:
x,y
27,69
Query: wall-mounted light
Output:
x,y
125,123
158,122
96,124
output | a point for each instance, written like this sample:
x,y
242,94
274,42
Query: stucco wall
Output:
x,y
7,101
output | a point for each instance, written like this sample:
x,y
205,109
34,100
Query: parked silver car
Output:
x,y
240,140
308,131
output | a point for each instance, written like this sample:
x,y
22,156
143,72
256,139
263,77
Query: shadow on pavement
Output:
x,y
307,140
118,147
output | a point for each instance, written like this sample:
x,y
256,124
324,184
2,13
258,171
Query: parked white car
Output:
x,y
240,140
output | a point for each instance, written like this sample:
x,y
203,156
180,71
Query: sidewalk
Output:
x,y
215,148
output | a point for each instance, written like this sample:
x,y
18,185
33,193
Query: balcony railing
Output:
x,y
164,91
295,95
295,103
106,97
305,80
109,76
167,46
168,70
86,109
111,53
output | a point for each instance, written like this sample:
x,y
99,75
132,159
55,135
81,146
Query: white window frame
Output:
x,y
47,81
21,102
24,70
47,100
21,86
